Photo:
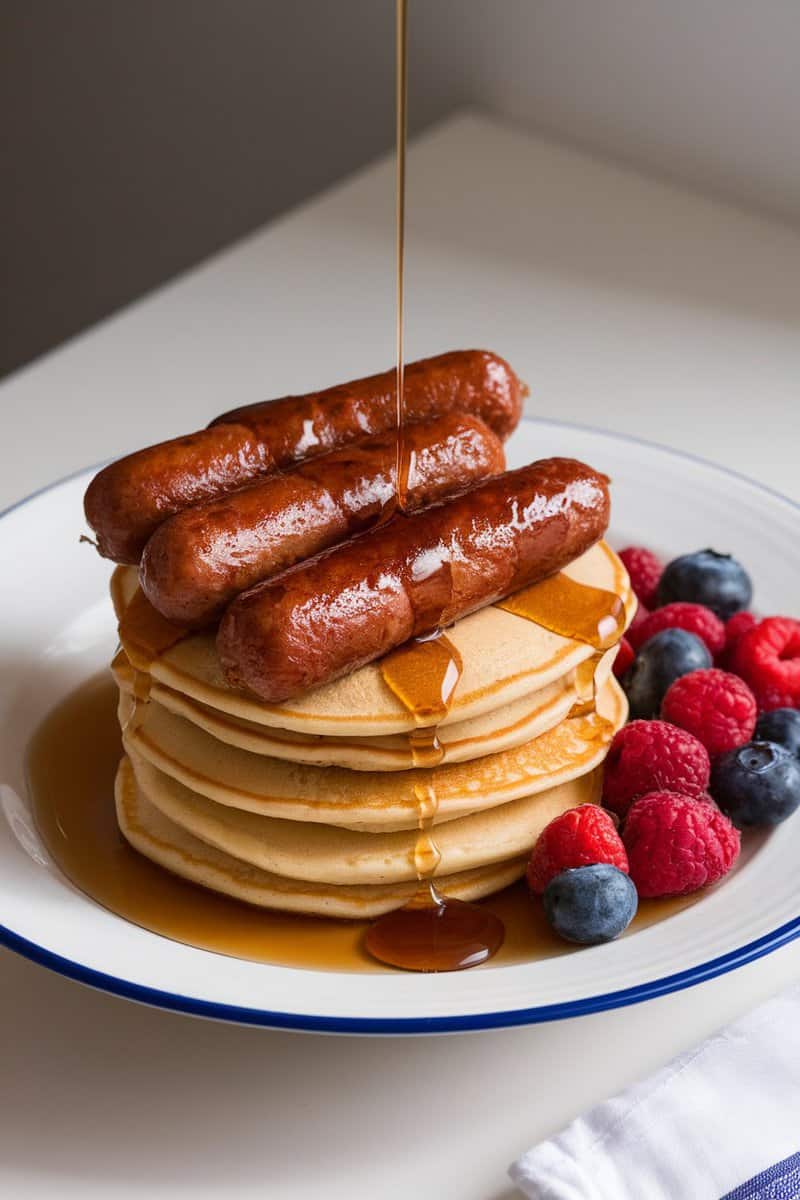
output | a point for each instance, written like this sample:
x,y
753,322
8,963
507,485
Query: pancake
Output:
x,y
328,854
159,839
505,657
367,800
505,728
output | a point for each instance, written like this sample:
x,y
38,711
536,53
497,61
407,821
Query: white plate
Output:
x,y
56,628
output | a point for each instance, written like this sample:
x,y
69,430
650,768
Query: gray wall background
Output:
x,y
141,135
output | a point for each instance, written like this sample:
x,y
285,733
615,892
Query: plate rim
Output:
x,y
473,1022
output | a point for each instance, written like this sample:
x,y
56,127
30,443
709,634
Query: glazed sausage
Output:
x,y
199,559
128,500
352,604
473,381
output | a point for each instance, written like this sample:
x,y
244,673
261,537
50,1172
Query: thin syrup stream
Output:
x,y
401,104
431,933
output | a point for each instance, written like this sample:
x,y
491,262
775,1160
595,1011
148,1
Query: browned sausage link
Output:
x,y
474,381
199,559
327,617
127,501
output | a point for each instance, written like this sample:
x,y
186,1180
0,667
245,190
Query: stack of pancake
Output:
x,y
313,805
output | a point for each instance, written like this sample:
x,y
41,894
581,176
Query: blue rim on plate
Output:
x,y
416,1025
399,1025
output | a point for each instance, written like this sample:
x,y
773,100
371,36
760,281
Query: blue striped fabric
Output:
x,y
779,1182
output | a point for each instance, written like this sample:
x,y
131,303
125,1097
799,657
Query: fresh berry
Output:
x,y
735,627
663,659
768,659
677,844
590,904
639,617
694,618
645,571
716,580
717,707
781,725
625,657
648,756
757,784
576,838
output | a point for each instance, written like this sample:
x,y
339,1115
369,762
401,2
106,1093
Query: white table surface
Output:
x,y
624,303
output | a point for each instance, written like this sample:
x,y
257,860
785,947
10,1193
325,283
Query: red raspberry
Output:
x,y
639,617
735,627
677,844
717,707
649,755
694,618
645,570
768,658
576,838
625,657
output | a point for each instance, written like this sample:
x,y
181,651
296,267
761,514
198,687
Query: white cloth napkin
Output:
x,y
721,1121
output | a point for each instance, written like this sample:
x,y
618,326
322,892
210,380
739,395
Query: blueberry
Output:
x,y
661,660
590,904
716,580
757,784
782,725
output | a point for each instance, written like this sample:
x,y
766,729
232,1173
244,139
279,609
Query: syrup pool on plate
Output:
x,y
71,763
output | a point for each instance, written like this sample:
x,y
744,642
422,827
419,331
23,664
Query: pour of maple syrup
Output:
x,y
432,932
401,129
71,762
